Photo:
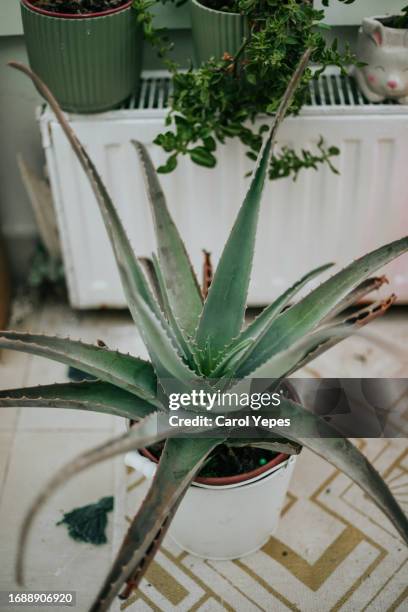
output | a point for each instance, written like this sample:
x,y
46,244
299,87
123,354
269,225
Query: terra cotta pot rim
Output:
x,y
211,10
31,5
229,480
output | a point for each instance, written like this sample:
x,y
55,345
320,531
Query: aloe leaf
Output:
x,y
174,375
150,272
95,396
189,349
235,353
361,291
129,373
164,294
131,274
303,317
134,581
347,458
231,356
167,309
344,330
270,313
142,305
179,277
179,464
140,435
314,344
323,439
277,445
224,309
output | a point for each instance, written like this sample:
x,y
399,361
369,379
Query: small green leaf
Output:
x,y
210,143
169,165
202,157
334,151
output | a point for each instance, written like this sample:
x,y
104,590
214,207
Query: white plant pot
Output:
x,y
383,51
226,522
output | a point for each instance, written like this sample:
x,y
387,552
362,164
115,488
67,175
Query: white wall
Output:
x,y
19,133
10,19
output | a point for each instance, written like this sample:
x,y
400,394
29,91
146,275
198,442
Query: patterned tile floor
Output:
x,y
332,551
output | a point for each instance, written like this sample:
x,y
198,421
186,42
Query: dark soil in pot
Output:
x,y
225,461
400,22
78,7
225,6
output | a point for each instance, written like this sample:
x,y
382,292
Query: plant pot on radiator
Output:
x,y
245,53
383,49
91,60
216,32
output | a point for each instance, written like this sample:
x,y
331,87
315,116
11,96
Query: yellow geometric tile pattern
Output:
x,y
333,550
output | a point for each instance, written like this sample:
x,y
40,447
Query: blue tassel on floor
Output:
x,y
88,524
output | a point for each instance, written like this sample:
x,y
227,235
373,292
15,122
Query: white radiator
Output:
x,y
319,218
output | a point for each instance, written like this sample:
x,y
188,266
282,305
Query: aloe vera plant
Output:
x,y
194,341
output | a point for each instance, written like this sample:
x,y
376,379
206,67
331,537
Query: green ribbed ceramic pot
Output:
x,y
215,32
92,63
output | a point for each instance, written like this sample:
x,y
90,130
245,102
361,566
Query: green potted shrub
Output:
x,y
89,52
246,52
193,343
